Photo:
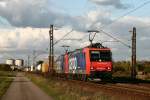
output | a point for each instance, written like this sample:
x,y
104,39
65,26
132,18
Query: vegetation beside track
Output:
x,y
123,69
5,67
63,90
6,75
5,81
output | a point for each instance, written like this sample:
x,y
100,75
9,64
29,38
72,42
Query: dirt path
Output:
x,y
23,89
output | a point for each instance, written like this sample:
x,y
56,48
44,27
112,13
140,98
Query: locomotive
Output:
x,y
94,61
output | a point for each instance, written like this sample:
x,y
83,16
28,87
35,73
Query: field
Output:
x,y
5,81
123,69
62,90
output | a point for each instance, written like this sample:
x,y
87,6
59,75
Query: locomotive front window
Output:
x,y
100,56
95,56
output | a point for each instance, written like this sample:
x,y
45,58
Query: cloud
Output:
x,y
144,38
32,13
22,41
31,18
121,30
39,14
31,38
2,3
114,3
27,12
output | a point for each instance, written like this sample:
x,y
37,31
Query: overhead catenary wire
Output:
x,y
125,14
122,16
85,6
109,34
129,12
72,39
63,37
115,38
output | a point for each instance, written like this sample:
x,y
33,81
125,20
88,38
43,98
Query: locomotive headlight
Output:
x,y
92,68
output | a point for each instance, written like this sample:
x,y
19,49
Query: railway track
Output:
x,y
122,88
127,89
137,89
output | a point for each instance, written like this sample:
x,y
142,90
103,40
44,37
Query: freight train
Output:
x,y
94,61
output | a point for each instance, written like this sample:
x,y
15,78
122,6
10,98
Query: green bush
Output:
x,y
121,66
147,69
5,67
118,68
140,67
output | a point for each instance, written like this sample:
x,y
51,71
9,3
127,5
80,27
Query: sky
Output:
x,y
24,26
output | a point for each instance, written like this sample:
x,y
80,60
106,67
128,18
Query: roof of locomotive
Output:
x,y
93,46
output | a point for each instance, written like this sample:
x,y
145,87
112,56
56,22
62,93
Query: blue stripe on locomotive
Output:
x,y
77,61
81,61
62,63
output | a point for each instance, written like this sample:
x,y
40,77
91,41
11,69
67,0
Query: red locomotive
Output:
x,y
94,61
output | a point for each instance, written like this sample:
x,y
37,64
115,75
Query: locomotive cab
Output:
x,y
100,62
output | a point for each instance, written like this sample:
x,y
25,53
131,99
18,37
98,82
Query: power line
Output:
x,y
133,10
85,6
125,14
73,39
63,37
108,34
115,38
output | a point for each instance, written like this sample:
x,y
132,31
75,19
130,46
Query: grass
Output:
x,y
4,84
5,81
62,90
128,80
7,74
